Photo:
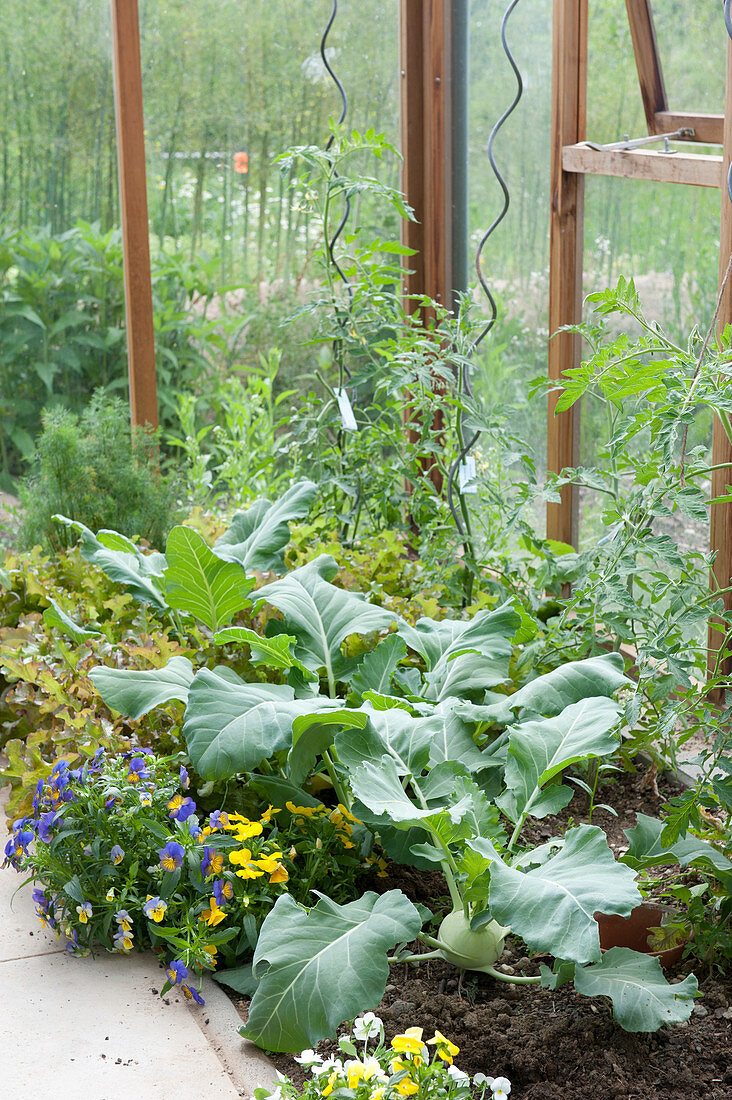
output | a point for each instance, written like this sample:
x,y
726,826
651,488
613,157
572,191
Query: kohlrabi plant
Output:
x,y
443,755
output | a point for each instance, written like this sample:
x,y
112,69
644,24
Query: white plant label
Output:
x,y
348,420
466,476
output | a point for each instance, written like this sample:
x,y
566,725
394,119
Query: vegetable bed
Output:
x,y
556,1044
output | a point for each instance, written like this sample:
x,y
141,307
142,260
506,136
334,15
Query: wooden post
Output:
x,y
720,529
647,60
426,51
425,121
133,203
569,109
412,119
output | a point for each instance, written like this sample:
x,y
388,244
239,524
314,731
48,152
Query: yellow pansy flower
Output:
x,y
268,863
354,1073
267,815
329,1087
243,827
445,1049
214,915
249,872
302,811
279,874
242,855
407,1087
409,1043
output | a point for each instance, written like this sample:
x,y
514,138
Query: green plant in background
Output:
x,y
94,470
62,331
637,584
350,434
236,456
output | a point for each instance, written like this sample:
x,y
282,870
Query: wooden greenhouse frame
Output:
x,y
571,160
429,79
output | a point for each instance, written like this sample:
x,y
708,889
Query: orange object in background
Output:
x,y
241,162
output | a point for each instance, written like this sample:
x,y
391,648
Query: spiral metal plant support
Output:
x,y
461,516
330,244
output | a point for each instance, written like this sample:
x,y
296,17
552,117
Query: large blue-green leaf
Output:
x,y
198,581
257,537
646,849
539,749
313,734
231,726
134,692
642,997
552,906
393,732
551,693
239,978
464,656
273,652
320,615
378,666
55,616
122,561
378,786
453,739
321,967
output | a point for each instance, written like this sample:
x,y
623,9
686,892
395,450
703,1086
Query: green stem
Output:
x,y
330,768
416,958
516,832
449,867
432,941
512,979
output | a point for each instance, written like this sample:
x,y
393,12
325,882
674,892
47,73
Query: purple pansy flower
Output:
x,y
37,796
219,819
212,862
181,808
138,770
171,856
176,972
46,823
223,891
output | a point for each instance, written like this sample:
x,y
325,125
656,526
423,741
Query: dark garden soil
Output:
x,y
558,1045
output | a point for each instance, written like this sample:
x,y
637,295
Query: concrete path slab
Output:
x,y
21,933
97,1027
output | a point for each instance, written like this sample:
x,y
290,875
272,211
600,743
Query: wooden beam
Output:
x,y
698,169
647,59
569,111
708,129
720,523
133,203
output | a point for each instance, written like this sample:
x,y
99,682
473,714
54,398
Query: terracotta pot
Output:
x,y
633,932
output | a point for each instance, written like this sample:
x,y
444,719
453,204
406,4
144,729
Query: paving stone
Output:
x,y
93,1026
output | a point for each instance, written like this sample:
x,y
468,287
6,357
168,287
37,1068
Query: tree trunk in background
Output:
x,y
198,196
263,176
226,196
169,165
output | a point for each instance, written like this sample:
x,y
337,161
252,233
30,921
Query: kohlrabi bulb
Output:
x,y
471,950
